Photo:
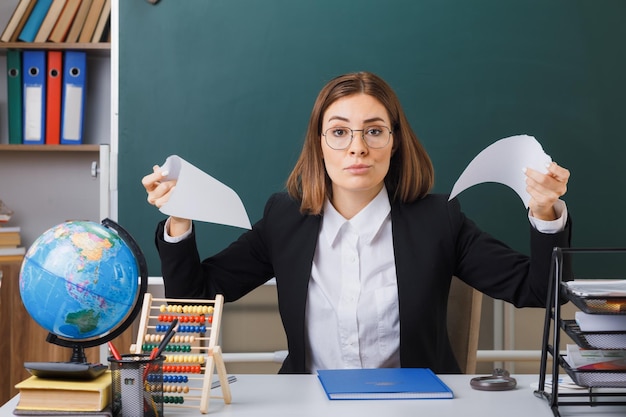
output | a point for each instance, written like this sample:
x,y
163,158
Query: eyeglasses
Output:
x,y
375,137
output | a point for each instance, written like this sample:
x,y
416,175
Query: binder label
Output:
x,y
32,117
72,115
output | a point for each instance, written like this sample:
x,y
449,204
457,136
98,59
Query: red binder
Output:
x,y
53,97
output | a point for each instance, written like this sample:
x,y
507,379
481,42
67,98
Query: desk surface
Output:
x,y
303,396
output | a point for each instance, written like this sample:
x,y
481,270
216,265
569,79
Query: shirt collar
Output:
x,y
367,222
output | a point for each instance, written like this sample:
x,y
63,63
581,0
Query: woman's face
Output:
x,y
358,170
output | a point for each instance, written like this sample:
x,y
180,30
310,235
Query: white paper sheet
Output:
x,y
198,196
503,162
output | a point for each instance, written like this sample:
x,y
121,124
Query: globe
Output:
x,y
83,282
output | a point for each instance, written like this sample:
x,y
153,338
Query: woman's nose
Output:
x,y
358,145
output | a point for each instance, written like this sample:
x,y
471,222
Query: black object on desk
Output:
x,y
65,370
499,380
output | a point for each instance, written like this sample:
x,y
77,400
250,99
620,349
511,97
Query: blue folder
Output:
x,y
73,101
383,383
34,96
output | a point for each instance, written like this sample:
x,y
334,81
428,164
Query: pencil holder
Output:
x,y
137,386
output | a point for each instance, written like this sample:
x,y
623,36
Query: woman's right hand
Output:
x,y
159,191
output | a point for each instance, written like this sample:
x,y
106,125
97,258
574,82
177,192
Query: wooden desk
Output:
x,y
303,396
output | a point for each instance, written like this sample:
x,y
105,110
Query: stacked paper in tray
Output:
x,y
596,326
600,295
596,359
598,287
600,322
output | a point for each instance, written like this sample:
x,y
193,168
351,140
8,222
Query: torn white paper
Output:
x,y
503,162
198,196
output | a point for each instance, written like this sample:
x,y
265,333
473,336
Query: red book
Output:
x,y
53,97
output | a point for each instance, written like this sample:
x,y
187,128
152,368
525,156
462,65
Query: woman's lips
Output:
x,y
358,168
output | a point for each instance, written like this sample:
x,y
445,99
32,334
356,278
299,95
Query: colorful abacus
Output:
x,y
191,356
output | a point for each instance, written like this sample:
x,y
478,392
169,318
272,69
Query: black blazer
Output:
x,y
433,240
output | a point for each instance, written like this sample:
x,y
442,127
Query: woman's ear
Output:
x,y
394,148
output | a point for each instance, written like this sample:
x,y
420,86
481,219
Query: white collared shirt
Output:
x,y
352,314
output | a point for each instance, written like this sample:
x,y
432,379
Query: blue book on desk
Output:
x,y
383,383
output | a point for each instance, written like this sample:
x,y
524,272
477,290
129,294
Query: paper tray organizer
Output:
x,y
595,378
594,340
596,304
611,382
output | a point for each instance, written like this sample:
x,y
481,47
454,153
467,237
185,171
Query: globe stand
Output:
x,y
66,370
78,367
78,350
78,354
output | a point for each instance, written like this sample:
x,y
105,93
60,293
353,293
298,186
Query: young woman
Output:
x,y
362,253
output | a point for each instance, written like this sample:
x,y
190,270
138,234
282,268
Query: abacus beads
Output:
x,y
182,328
184,358
178,389
189,369
191,355
167,318
175,339
168,348
187,309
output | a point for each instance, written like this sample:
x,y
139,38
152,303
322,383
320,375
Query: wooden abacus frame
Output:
x,y
210,311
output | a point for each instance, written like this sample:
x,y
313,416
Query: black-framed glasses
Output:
x,y
340,137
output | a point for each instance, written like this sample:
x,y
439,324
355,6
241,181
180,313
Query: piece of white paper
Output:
x,y
198,196
598,287
503,162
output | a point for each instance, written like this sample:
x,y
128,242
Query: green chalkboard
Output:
x,y
228,85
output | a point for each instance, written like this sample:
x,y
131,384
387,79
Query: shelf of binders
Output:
x,y
70,60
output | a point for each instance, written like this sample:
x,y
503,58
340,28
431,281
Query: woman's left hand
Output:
x,y
545,190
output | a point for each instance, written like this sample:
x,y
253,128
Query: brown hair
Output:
x,y
411,173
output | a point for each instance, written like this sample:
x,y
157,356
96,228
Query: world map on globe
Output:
x,y
79,280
